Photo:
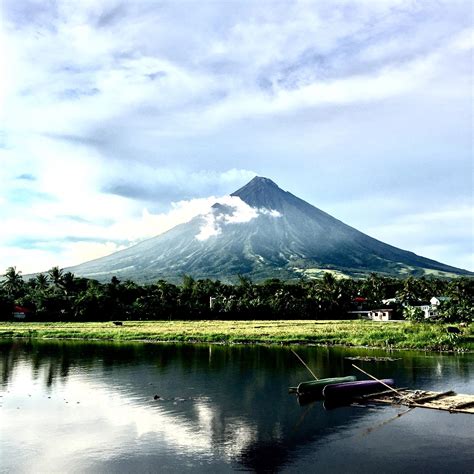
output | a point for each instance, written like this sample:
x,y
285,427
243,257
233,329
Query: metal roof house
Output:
x,y
20,312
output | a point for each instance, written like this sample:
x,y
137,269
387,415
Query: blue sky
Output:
x,y
122,119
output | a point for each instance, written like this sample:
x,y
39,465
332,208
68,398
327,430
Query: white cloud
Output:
x,y
209,229
453,219
184,102
463,41
433,234
80,252
240,212
62,217
263,45
270,212
48,223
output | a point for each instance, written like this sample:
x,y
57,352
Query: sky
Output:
x,y
119,120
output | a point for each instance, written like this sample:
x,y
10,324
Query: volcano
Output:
x,y
261,232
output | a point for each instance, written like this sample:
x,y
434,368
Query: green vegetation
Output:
x,y
396,335
59,296
226,313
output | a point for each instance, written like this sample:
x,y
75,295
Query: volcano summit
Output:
x,y
262,232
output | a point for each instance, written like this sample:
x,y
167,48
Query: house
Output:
x,y
381,314
20,312
359,302
359,308
360,314
437,300
427,310
430,309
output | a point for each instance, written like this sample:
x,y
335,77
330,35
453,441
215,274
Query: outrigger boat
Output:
x,y
350,390
315,387
341,391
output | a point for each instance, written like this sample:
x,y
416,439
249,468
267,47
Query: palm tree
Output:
x,y
411,291
56,276
41,281
328,294
68,283
13,283
374,288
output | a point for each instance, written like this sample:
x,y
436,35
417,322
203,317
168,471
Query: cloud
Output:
x,y
26,177
229,210
162,184
420,233
302,52
65,239
133,106
209,229
83,251
89,239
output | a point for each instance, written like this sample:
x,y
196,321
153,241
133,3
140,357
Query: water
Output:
x,y
90,407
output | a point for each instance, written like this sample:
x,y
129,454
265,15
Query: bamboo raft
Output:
x,y
447,401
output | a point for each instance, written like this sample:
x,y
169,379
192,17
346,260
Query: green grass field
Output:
x,y
399,335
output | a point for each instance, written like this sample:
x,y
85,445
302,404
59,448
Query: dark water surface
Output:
x,y
89,407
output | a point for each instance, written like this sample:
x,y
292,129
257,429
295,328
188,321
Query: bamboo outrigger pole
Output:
x,y
379,381
303,362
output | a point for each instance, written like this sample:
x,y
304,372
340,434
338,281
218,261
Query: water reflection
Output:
x,y
219,408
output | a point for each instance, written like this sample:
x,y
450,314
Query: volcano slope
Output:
x,y
260,232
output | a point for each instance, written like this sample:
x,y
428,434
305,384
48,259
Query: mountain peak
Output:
x,y
261,192
261,180
299,239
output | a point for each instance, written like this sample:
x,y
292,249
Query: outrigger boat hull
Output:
x,y
348,390
315,387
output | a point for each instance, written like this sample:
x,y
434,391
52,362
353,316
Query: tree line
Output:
x,y
61,296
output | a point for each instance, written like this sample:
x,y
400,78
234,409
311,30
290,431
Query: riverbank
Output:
x,y
395,335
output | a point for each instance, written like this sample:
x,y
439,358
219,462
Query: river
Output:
x,y
95,407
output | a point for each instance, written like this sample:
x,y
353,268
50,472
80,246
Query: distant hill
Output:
x,y
278,236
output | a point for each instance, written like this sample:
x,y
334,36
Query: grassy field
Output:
x,y
400,335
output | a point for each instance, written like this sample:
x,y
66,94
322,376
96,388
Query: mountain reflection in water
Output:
x,y
77,406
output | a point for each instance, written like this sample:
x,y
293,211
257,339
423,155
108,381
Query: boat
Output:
x,y
315,387
349,390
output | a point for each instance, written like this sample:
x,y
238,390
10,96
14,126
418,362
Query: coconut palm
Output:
x,y
41,281
328,294
56,276
411,291
68,283
13,283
